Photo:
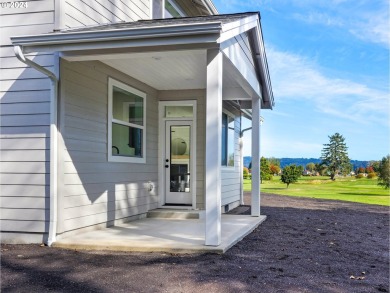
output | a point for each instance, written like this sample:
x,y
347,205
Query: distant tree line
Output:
x,y
334,162
304,161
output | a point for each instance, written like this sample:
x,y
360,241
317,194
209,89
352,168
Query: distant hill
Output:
x,y
304,161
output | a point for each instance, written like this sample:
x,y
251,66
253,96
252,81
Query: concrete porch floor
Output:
x,y
163,235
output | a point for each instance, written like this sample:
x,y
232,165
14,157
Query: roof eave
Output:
x,y
37,43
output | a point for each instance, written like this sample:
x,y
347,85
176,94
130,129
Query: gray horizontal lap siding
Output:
x,y
25,104
78,13
230,178
25,124
93,190
231,181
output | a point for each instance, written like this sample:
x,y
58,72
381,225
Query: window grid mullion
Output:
x,y
127,123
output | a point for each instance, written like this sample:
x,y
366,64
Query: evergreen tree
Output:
x,y
335,155
384,172
265,172
375,165
290,174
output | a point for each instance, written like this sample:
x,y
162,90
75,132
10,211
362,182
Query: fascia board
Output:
x,y
210,6
201,41
260,59
263,65
113,35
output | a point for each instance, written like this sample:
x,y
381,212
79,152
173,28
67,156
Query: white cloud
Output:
x,y
374,27
319,18
370,24
294,77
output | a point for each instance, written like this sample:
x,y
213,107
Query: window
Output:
x,y
172,9
165,9
227,140
126,123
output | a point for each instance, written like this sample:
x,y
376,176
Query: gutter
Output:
x,y
53,140
117,34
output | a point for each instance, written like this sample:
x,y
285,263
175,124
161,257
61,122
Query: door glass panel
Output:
x,y
180,158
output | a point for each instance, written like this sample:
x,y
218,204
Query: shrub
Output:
x,y
359,176
275,170
371,175
360,170
290,174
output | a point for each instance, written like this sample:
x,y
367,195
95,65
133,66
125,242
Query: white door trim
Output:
x,y
177,197
161,150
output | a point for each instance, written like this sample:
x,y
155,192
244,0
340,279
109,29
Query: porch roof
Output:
x,y
187,38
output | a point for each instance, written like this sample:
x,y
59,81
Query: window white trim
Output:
x,y
123,159
227,167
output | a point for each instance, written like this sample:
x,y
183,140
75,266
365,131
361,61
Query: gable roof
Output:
x,y
189,32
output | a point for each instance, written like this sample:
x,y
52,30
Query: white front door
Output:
x,y
178,163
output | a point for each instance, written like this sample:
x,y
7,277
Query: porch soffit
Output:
x,y
172,70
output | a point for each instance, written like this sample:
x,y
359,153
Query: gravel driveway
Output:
x,y
305,245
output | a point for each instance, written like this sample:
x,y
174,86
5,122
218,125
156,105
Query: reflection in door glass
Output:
x,y
180,159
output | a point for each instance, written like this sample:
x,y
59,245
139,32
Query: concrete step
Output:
x,y
175,214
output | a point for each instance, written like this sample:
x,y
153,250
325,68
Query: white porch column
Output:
x,y
255,197
213,148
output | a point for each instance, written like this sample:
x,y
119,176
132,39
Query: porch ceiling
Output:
x,y
168,70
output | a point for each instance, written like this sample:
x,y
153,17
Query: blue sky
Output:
x,y
329,66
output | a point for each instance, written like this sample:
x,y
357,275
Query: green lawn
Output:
x,y
347,189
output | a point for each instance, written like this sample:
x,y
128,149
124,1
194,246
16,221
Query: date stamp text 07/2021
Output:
x,y
14,4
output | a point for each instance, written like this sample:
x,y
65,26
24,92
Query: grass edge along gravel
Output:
x,y
344,188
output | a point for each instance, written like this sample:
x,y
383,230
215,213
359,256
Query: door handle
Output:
x,y
166,166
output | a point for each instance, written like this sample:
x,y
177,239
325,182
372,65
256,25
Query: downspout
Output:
x,y
53,140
